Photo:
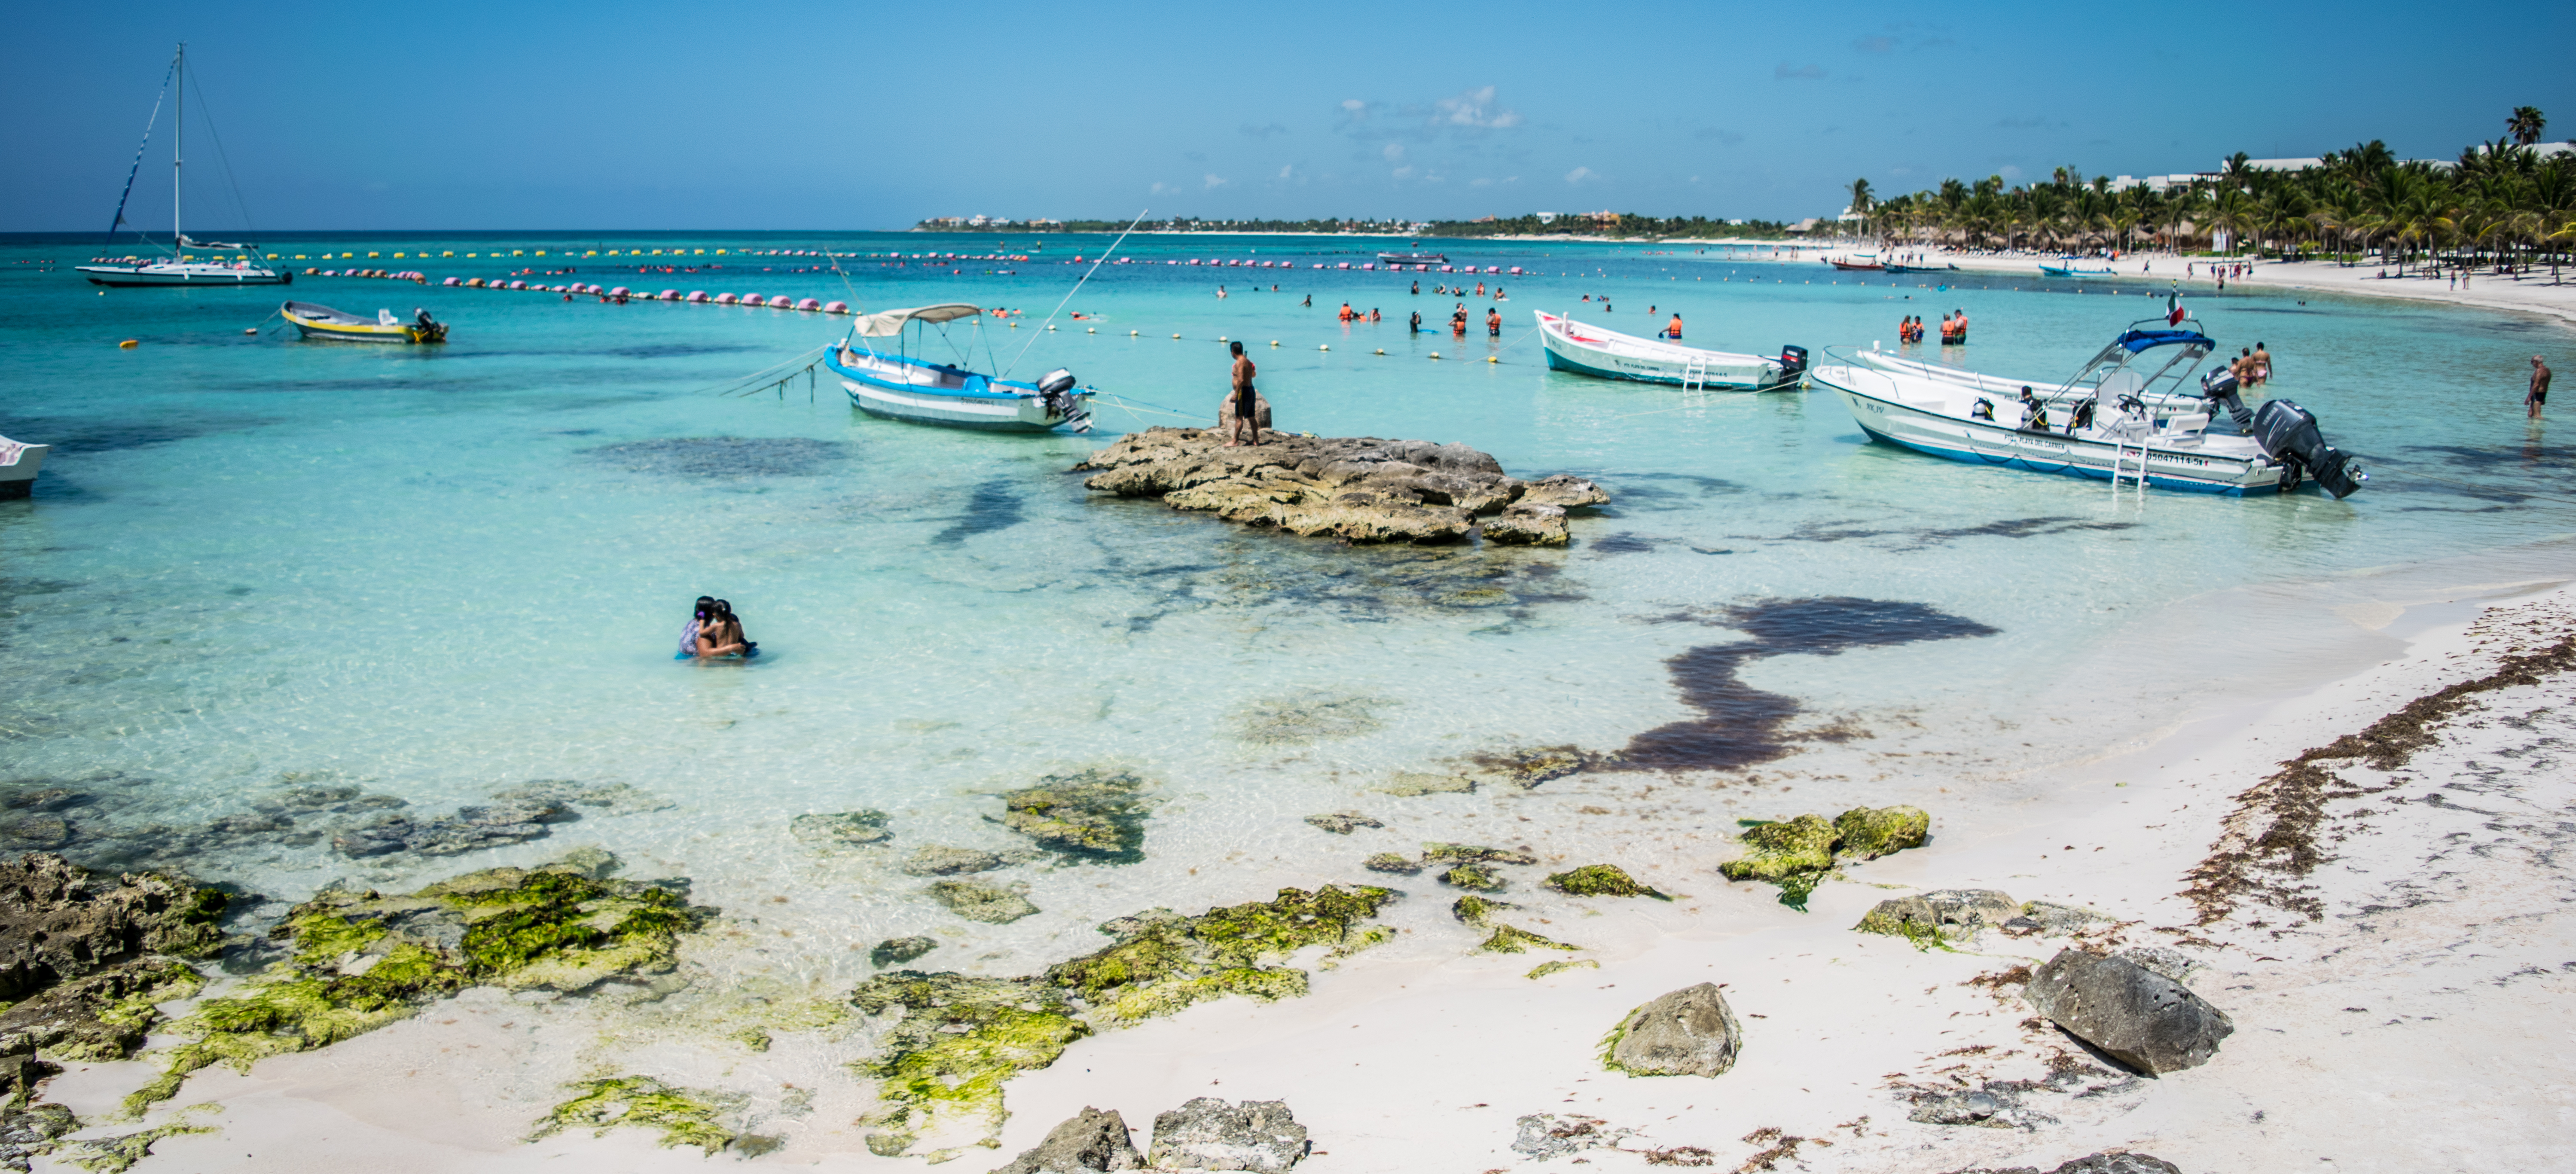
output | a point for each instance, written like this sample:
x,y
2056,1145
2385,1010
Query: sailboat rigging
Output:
x,y
179,268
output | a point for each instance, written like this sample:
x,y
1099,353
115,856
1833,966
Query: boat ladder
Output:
x,y
2128,462
1695,375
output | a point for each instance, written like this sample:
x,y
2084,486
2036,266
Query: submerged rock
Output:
x,y
893,951
938,860
827,831
1092,814
1409,785
2132,1014
1601,880
1391,862
959,1038
1342,823
363,960
681,1116
977,901
1526,769
1210,1134
1474,877
1943,914
1689,1032
1307,717
1092,1140
1439,853
470,829
1355,489
605,798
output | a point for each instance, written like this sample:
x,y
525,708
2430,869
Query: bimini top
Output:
x,y
891,322
2141,340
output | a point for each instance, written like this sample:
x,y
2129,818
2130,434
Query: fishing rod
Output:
x,y
1077,288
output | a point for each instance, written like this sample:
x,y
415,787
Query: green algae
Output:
x,y
959,1038
683,1117
1439,853
363,960
975,900
894,950
1777,850
1601,880
1543,969
1092,815
1476,911
1508,939
1473,876
1798,854
115,1155
1867,833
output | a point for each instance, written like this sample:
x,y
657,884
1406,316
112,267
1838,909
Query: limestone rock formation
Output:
x,y
941,860
1342,823
977,901
1950,913
826,831
2107,1162
470,829
1210,1134
1689,1032
57,922
1092,1140
2134,1015
1356,489
1092,814
894,951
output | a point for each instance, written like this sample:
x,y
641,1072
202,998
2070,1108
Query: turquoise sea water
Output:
x,y
434,572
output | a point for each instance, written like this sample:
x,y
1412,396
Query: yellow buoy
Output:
x,y
1091,330
1176,336
128,344
1222,338
1015,326
1492,359
1435,354
1323,347
1274,342
1381,350
1131,334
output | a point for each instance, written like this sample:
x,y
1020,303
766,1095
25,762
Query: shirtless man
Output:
x,y
1245,416
2539,393
1493,323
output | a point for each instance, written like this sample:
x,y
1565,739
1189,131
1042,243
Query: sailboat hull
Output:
x,y
209,275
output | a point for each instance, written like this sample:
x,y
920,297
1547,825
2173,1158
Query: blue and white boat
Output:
x,y
2132,414
896,385
1586,349
2075,267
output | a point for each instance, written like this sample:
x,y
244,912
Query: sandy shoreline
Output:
x,y
2416,1026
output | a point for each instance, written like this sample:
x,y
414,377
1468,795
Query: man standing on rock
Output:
x,y
1244,412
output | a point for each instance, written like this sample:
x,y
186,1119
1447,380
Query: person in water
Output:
x,y
1415,327
1347,315
1417,287
1673,329
1493,322
719,633
1241,419
2538,397
2262,364
698,614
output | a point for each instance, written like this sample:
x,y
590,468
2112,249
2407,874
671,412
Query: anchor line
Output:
x,y
1068,294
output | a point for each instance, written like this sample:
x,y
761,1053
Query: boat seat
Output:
x,y
2186,425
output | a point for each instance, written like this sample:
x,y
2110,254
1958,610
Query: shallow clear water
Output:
x,y
436,572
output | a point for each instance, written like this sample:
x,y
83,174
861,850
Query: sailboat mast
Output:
x,y
178,138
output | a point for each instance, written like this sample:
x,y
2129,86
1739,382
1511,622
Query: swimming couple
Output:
x,y
714,633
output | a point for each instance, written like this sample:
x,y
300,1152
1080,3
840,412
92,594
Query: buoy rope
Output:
x,y
1077,288
1123,402
761,379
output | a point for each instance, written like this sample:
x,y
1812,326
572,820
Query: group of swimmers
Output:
x,y
715,633
2252,368
1954,328
1445,291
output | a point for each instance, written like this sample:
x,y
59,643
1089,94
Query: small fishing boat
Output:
x,y
2130,414
1412,259
1898,267
19,464
1590,350
1864,262
180,268
2073,267
897,386
318,321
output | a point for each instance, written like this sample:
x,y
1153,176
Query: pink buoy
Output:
x,y
697,295
669,295
618,292
836,307
518,285
450,281
808,304
726,299
1343,265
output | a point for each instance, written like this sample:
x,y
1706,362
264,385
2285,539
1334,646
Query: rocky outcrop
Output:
x,y
894,951
940,860
1689,1032
1943,914
1867,833
977,901
835,830
2108,1162
1355,489
84,963
2132,1014
1210,1134
2050,919
1342,823
1601,880
1089,815
1092,1140
1797,854
470,829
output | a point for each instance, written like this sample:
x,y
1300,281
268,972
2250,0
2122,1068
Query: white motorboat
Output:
x,y
898,386
1590,350
2131,414
181,267
19,464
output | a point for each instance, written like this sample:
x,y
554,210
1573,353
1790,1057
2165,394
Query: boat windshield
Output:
x,y
2148,359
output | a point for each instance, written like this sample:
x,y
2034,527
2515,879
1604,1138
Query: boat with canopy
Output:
x,y
319,321
897,384
180,267
1586,349
2131,414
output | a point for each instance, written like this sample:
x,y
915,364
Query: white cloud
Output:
x,y
1403,173
1160,188
1214,182
1354,105
1394,152
1475,108
1579,174
1480,183
1288,171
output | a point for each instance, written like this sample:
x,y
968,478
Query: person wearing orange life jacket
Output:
x,y
1673,329
1346,312
1493,323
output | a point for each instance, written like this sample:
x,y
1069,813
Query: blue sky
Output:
x,y
790,115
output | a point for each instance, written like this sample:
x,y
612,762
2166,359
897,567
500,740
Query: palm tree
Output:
x,y
2525,125
1861,202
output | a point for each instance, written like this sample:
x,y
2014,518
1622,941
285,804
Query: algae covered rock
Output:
x,y
1210,1134
1391,862
1601,880
1473,877
362,960
1437,853
1342,823
2132,1014
938,860
1477,911
977,901
1311,716
893,951
959,1038
2050,919
1543,969
58,922
1867,833
1092,1140
1092,814
681,1116
1774,851
827,831
1511,939
1526,769
1689,1032
1940,915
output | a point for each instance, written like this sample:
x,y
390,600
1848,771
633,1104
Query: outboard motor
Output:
x,y
2218,385
1793,363
1055,390
2289,435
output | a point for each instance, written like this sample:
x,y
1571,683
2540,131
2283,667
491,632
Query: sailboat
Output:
x,y
180,267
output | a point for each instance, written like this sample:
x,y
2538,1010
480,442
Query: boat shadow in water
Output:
x,y
1740,725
